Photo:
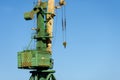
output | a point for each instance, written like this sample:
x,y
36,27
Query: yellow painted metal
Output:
x,y
49,25
39,1
62,2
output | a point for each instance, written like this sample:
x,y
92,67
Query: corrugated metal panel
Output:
x,y
32,59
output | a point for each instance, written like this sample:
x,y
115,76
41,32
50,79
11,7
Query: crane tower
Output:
x,y
39,60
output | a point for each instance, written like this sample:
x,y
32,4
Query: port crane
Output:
x,y
39,60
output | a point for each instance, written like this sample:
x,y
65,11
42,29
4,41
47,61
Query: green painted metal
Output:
x,y
40,59
28,16
33,59
41,40
42,75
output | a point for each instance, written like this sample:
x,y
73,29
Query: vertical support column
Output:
x,y
41,44
49,24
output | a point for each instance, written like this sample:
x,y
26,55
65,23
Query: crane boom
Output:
x,y
49,25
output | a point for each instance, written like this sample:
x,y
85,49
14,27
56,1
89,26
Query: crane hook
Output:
x,y
64,44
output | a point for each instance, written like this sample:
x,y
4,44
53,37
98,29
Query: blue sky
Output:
x,y
93,36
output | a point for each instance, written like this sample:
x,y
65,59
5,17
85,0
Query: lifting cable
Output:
x,y
64,26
